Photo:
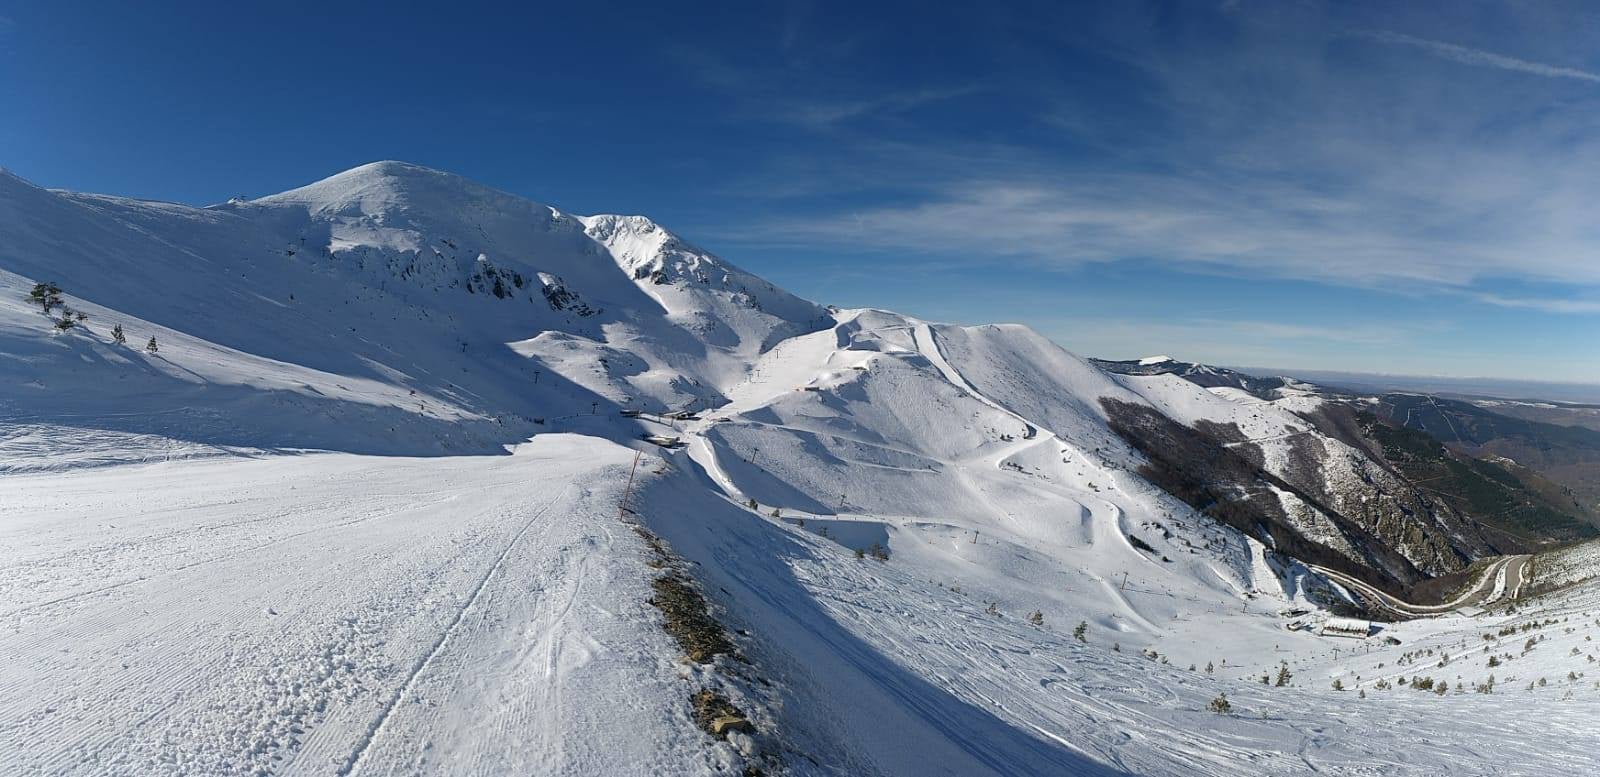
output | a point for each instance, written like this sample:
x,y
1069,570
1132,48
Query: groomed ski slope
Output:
x,y
331,613
895,447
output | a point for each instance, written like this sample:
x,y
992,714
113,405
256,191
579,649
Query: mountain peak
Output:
x,y
389,186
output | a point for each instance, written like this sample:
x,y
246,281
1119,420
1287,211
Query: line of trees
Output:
x,y
48,297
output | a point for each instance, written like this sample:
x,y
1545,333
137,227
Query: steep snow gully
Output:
x,y
360,512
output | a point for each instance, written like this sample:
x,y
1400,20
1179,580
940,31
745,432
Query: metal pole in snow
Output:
x,y
623,508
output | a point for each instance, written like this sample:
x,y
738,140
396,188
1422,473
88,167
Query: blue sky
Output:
x,y
1379,187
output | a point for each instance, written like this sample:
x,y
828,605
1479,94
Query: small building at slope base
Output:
x,y
1345,627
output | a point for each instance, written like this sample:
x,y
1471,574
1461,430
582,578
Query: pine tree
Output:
x,y
1036,618
1283,675
1081,631
1338,684
118,336
151,346
45,295
1221,705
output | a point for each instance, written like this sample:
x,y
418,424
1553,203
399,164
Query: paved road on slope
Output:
x,y
1503,578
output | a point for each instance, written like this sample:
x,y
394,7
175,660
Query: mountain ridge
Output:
x,y
509,312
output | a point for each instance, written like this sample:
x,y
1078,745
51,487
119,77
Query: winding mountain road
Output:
x,y
1503,578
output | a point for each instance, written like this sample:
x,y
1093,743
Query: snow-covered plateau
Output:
x,y
353,479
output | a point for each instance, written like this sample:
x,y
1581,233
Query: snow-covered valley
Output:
x,y
370,506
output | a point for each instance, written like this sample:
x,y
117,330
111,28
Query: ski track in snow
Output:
x,y
420,623
444,636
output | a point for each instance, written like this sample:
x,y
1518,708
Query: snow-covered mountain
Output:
x,y
1201,374
417,310
998,552
1448,457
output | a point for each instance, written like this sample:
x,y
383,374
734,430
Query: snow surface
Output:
x,y
330,612
310,534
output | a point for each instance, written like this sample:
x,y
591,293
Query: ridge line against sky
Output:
x,y
1347,186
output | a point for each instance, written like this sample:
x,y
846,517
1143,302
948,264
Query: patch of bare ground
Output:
x,y
687,618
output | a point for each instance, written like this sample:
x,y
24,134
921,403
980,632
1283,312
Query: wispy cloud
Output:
x,y
1471,56
1259,148
1543,304
785,93
1276,155
1224,341
1265,228
1280,332
826,113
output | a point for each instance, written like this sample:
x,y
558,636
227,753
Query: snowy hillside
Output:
x,y
388,308
361,510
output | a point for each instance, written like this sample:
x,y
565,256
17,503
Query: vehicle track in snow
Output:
x,y
376,729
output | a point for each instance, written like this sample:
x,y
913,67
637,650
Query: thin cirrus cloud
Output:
x,y
1338,169
1281,231
822,114
1380,200
1471,56
1223,341
1545,304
